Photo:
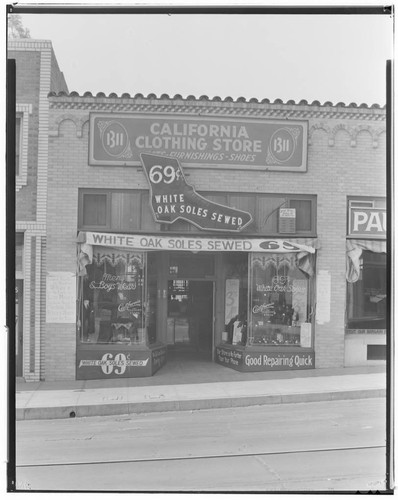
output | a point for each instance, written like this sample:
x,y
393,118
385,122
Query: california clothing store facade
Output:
x,y
196,225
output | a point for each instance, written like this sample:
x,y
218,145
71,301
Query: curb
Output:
x,y
71,411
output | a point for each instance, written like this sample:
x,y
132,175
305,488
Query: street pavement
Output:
x,y
321,446
194,386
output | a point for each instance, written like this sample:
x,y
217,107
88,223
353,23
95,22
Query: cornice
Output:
x,y
216,106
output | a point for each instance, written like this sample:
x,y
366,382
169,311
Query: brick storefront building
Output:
x,y
37,74
246,233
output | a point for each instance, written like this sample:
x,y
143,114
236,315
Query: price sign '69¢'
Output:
x,y
173,198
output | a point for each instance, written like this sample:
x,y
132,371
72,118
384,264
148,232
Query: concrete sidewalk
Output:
x,y
49,400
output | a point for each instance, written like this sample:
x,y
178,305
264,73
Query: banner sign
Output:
x,y
119,139
96,364
172,198
195,244
260,361
367,222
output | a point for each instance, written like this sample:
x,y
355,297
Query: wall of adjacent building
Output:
x,y
37,74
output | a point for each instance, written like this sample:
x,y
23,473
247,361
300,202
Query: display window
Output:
x,y
366,297
112,300
280,299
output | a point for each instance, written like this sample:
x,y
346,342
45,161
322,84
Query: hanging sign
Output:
x,y
119,139
194,244
172,198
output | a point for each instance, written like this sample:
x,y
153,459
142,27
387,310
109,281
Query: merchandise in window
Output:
x,y
366,298
280,301
112,299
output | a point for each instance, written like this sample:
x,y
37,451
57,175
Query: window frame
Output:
x,y
184,227
354,322
23,111
107,225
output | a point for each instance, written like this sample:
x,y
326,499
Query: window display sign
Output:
x,y
287,220
119,139
172,198
260,361
183,243
96,364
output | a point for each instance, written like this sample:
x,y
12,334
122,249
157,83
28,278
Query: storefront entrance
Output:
x,y
190,316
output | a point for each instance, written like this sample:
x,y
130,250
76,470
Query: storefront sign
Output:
x,y
118,139
368,222
96,364
229,357
172,198
195,244
242,360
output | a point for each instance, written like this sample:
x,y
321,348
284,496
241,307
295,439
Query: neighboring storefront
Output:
x,y
366,281
209,226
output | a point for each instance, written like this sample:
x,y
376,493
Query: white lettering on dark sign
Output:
x,y
108,363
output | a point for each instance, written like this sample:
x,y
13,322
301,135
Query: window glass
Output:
x,y
366,298
190,265
303,214
280,304
126,211
236,288
94,209
112,305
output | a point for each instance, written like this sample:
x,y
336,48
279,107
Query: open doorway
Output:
x,y
190,316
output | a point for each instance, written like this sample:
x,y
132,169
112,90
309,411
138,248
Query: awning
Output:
x,y
354,250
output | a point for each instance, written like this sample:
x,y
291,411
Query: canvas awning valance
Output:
x,y
112,246
354,249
